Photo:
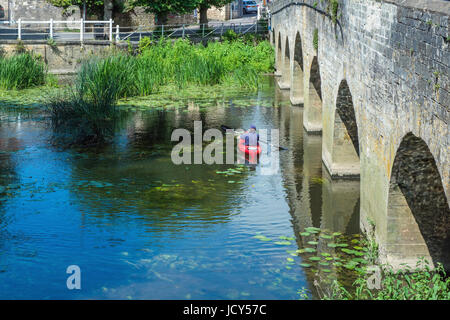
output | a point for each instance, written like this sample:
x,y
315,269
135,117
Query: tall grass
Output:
x,y
21,71
182,63
102,81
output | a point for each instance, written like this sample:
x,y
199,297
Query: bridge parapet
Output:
x,y
436,6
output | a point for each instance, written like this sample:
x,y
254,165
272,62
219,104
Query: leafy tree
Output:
x,y
206,4
161,8
95,6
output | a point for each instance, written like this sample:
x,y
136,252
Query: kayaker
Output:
x,y
251,137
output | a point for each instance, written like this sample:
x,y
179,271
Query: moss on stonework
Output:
x,y
334,10
316,39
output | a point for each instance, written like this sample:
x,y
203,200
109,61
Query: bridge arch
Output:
x,y
312,118
297,72
418,214
345,150
285,80
279,57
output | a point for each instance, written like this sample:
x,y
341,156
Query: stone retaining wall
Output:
x,y
41,10
62,57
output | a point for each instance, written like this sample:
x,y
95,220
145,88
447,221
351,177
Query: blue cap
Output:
x,y
253,126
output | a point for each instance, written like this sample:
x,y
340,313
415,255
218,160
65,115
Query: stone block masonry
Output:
x,y
375,84
62,58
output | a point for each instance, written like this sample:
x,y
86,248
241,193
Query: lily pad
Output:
x,y
310,250
352,252
360,260
304,234
283,243
305,265
262,238
347,251
287,238
312,230
312,243
314,258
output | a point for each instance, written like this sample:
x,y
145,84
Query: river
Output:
x,y
141,227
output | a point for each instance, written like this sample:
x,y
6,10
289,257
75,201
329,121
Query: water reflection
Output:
x,y
141,227
316,200
340,211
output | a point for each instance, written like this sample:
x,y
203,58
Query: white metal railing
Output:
x,y
58,30
84,30
186,31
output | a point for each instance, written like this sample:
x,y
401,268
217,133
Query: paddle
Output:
x,y
225,128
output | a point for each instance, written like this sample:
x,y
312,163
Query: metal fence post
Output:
x,y
51,28
256,27
117,33
110,30
81,30
183,30
221,30
19,29
203,31
162,31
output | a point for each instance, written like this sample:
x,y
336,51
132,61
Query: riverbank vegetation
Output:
x,y
421,283
87,109
348,268
102,81
22,71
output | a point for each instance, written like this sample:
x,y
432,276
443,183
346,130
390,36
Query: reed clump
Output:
x,y
182,63
22,71
86,112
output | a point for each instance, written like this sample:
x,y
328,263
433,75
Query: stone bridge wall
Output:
x,y
384,70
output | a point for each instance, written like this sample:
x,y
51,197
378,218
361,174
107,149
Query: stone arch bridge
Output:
x,y
373,79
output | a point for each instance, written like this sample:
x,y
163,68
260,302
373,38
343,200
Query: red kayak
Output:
x,y
252,151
